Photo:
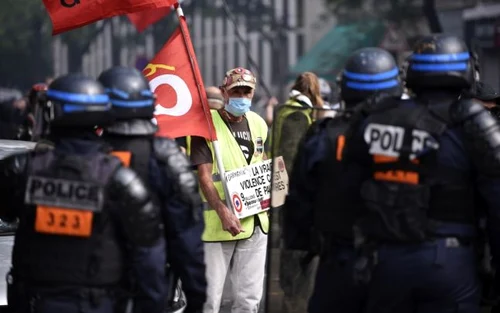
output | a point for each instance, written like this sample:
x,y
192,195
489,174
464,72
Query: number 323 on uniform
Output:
x,y
63,207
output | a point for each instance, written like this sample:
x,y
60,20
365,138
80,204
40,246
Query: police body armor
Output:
x,y
66,236
133,143
337,204
408,194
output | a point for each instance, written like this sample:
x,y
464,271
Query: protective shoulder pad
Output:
x,y
178,168
140,217
482,135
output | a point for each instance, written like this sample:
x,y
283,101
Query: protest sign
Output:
x,y
280,183
249,188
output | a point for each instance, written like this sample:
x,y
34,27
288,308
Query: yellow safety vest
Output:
x,y
282,115
233,158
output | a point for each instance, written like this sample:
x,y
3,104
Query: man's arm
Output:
x,y
201,156
141,223
183,218
208,188
229,221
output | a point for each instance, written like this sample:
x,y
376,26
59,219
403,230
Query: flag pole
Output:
x,y
203,97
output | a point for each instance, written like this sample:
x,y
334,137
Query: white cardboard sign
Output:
x,y
280,183
249,188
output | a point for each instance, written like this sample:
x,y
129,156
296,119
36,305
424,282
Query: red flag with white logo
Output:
x,y
70,14
174,76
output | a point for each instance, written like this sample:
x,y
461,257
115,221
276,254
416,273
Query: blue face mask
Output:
x,y
238,106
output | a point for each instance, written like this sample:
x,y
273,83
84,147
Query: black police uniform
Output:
x,y
85,220
425,156
323,203
167,171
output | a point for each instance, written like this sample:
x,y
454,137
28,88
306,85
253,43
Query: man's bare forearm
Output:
x,y
208,188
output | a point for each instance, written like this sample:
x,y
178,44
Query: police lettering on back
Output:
x,y
387,140
62,192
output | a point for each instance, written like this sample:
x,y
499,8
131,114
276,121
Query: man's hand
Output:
x,y
230,222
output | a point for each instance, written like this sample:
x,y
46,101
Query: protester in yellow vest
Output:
x,y
293,119
291,123
243,243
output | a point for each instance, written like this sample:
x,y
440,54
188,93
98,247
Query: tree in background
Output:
x,y
403,13
24,43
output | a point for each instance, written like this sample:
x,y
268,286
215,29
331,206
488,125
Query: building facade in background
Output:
x,y
274,33
482,32
270,37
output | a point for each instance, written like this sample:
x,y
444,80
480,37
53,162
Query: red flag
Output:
x,y
70,14
174,76
144,19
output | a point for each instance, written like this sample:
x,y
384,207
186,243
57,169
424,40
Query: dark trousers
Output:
x,y
335,290
434,277
72,305
31,300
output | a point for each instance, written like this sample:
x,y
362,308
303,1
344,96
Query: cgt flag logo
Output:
x,y
179,110
172,87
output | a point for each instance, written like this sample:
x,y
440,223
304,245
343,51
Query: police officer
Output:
x,y
84,219
425,156
330,96
322,204
167,171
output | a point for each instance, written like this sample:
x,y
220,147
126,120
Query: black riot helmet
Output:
x,y
77,101
129,93
369,71
440,62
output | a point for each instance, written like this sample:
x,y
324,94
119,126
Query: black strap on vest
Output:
x,y
140,147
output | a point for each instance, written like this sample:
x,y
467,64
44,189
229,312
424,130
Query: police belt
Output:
x,y
465,234
49,290
449,229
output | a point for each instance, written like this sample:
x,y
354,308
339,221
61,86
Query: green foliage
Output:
x,y
24,43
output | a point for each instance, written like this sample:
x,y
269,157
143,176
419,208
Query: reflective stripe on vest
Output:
x,y
188,146
233,158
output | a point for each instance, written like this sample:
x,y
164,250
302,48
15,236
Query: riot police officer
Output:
x,y
167,171
85,220
322,204
425,157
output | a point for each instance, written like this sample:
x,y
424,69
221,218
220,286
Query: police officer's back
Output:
x,y
425,156
167,171
323,198
84,219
